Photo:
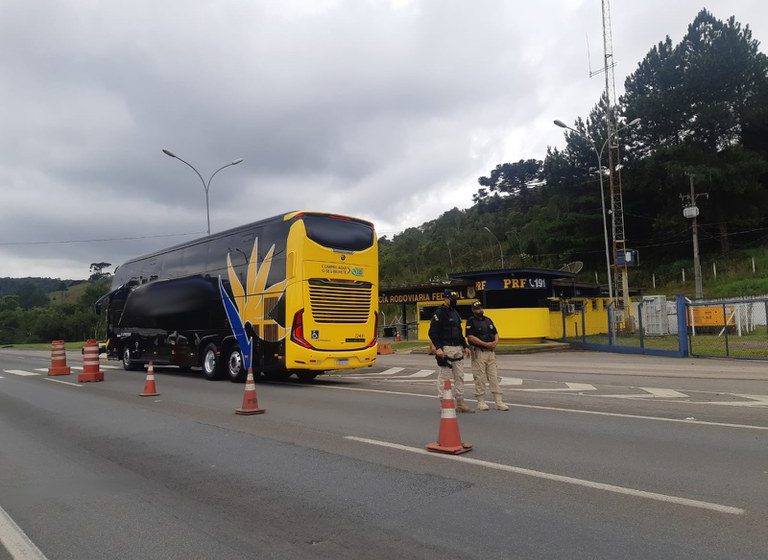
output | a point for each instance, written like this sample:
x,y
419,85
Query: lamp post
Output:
x,y
599,155
499,242
207,185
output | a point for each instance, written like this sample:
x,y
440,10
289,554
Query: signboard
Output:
x,y
417,296
628,257
501,283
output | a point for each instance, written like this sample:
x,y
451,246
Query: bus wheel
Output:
x,y
128,364
307,376
211,363
235,367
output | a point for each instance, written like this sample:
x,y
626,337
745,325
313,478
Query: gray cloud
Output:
x,y
388,110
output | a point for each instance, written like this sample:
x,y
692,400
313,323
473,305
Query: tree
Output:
x,y
96,270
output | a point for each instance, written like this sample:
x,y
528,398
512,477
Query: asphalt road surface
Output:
x,y
600,456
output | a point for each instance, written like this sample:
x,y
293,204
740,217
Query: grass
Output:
x,y
753,345
44,346
71,295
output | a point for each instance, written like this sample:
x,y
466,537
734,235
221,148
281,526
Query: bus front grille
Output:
x,y
340,302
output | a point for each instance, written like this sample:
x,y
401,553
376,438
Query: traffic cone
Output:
x,y
250,403
448,439
149,385
58,359
91,371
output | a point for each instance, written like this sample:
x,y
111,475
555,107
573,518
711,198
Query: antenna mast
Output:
x,y
617,204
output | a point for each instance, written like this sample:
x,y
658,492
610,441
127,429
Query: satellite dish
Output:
x,y
574,267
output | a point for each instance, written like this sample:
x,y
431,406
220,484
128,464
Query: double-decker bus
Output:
x,y
295,293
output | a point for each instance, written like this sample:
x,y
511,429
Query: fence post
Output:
x,y
766,317
583,323
640,324
562,314
682,327
725,331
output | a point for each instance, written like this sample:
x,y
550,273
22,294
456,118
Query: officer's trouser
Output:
x,y
455,373
484,371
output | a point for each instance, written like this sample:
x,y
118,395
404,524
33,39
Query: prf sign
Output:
x,y
512,284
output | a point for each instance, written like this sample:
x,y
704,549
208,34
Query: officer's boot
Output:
x,y
481,404
461,406
500,403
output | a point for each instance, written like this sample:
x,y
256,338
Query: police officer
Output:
x,y
450,347
483,338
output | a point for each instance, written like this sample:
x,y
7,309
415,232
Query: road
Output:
x,y
600,456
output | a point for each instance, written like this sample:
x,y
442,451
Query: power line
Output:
x,y
70,241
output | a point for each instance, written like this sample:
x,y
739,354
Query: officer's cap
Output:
x,y
477,305
448,293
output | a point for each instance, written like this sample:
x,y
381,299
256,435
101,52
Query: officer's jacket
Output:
x,y
445,328
482,328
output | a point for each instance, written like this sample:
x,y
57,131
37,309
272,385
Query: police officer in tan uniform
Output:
x,y
483,338
450,347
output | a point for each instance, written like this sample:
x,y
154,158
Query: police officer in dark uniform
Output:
x,y
450,347
483,338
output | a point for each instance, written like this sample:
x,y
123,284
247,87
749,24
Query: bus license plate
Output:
x,y
342,362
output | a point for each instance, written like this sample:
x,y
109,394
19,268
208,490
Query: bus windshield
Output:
x,y
338,233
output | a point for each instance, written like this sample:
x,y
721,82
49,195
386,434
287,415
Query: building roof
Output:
x,y
541,272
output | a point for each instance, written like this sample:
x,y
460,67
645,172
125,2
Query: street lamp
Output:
x,y
499,242
207,185
599,155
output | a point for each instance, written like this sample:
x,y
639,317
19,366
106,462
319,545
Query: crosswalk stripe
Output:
x,y
20,372
390,371
664,393
423,373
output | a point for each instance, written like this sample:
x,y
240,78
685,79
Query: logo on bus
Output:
x,y
356,271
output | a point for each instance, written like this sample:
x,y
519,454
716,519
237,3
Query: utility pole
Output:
x,y
691,211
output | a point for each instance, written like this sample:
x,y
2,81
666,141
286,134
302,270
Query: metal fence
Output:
x,y
728,328
650,325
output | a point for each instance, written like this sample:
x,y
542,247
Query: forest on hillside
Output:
x,y
702,106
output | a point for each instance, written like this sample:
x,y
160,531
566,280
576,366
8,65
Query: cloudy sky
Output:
x,y
383,109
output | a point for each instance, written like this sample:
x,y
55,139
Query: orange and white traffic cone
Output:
x,y
58,359
448,439
149,385
250,402
91,371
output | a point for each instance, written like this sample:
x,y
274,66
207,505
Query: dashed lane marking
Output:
x,y
16,541
423,373
559,478
571,410
20,372
61,381
570,387
664,393
390,371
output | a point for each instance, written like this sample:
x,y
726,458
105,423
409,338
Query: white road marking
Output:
x,y
664,393
16,541
20,372
423,373
761,399
506,381
390,371
570,387
45,369
559,478
573,410
104,366
60,381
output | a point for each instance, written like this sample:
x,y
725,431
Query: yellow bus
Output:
x,y
295,293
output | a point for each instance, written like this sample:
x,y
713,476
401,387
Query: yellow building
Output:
x,y
527,305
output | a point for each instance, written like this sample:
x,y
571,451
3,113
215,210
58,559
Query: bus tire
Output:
x,y
128,364
307,376
211,362
234,366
